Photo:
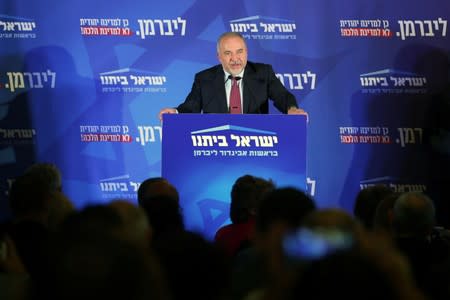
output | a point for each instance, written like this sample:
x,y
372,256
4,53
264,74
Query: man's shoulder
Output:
x,y
253,64
258,67
209,72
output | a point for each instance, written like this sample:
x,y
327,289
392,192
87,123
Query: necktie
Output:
x,y
235,97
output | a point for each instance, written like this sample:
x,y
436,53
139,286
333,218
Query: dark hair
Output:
x,y
93,219
29,193
163,213
367,201
288,205
156,186
49,174
413,214
245,195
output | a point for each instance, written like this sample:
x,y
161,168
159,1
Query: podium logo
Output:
x,y
17,28
393,82
264,28
132,81
234,141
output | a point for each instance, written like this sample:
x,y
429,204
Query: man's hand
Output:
x,y
297,111
166,111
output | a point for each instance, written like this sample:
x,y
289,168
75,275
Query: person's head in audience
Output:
x,y
339,258
413,215
37,194
281,211
384,214
29,198
161,203
136,227
246,192
367,201
34,199
283,207
49,173
374,271
156,186
93,219
164,214
262,270
422,243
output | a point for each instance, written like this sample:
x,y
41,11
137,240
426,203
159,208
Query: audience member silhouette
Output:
x,y
160,201
91,258
246,193
356,274
426,250
337,257
335,219
35,199
29,199
281,211
366,203
195,267
156,186
382,221
135,225
49,173
123,251
59,210
164,215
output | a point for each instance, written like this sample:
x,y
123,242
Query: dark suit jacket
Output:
x,y
259,82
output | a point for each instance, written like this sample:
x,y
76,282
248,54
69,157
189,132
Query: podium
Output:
x,y
203,155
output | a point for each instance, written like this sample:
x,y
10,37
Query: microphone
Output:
x,y
230,77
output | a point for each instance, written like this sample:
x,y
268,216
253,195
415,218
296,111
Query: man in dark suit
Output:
x,y
257,84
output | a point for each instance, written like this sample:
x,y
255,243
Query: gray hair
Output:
x,y
228,34
414,214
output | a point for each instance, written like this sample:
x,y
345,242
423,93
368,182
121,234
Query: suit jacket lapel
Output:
x,y
219,94
248,80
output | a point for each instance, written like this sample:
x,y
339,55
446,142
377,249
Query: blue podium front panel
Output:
x,y
203,154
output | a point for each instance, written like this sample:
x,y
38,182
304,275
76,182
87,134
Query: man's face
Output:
x,y
232,54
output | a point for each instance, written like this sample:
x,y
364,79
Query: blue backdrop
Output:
x,y
81,84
